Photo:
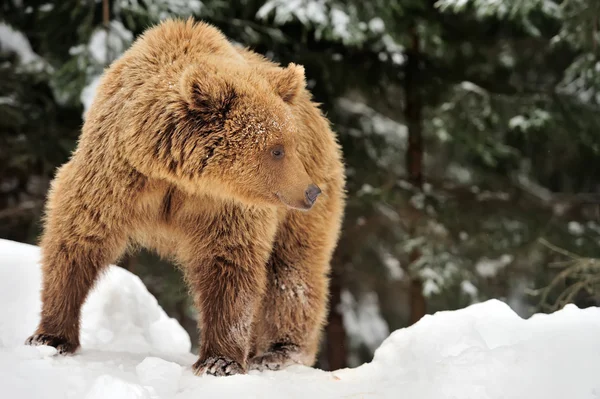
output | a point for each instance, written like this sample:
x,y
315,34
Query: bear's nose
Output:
x,y
311,193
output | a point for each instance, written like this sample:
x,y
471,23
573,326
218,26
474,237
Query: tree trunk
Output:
x,y
335,332
106,24
418,305
414,158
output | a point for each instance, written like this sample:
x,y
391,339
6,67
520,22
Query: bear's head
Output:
x,y
240,133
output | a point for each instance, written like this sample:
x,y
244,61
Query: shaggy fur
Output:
x,y
202,152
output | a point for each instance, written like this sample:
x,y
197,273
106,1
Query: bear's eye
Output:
x,y
277,152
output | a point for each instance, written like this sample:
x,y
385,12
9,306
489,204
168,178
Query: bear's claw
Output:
x,y
277,358
60,343
218,366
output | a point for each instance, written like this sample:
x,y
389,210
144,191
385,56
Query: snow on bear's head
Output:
x,y
239,133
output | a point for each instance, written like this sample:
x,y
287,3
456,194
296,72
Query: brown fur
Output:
x,y
175,155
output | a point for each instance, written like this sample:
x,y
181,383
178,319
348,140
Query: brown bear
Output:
x,y
216,158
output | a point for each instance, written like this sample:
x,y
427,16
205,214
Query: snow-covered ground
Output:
x,y
132,349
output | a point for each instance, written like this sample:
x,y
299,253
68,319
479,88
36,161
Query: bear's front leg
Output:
x,y
228,290
225,268
289,326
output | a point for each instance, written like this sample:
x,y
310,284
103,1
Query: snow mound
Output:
x,y
120,313
132,349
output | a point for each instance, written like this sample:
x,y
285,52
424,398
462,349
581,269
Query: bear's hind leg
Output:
x,y
70,266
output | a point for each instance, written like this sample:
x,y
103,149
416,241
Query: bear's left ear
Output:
x,y
207,91
288,82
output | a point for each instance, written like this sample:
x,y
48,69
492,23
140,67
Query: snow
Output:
x,y
13,41
502,8
107,386
392,47
362,319
8,100
372,122
120,312
162,9
376,25
104,47
490,267
117,39
88,93
393,266
161,375
340,23
46,7
320,14
430,287
537,120
576,228
459,173
306,11
518,121
132,349
468,288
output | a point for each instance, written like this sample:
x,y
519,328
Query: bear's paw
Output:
x,y
277,358
62,345
217,366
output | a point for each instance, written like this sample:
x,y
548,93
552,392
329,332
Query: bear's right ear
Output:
x,y
207,92
287,82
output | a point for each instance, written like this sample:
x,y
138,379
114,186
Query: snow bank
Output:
x,y
131,349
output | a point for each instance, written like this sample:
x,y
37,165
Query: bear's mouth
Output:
x,y
300,207
281,198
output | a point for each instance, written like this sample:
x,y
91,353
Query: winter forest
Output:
x,y
470,131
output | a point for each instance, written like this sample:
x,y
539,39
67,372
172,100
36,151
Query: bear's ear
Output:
x,y
288,82
207,92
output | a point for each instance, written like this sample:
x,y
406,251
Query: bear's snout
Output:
x,y
311,194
